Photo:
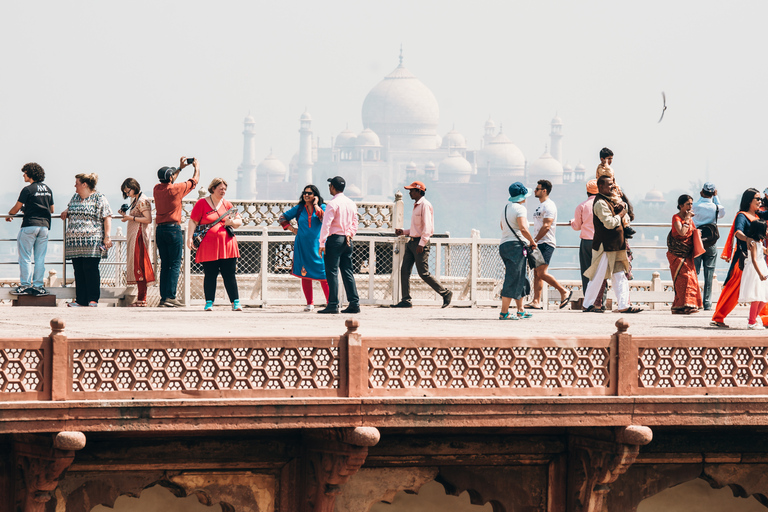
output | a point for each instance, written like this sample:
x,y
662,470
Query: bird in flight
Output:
x,y
664,99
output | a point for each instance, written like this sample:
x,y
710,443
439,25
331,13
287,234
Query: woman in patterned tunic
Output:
x,y
307,263
138,263
89,221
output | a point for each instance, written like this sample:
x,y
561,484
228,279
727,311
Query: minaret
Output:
x,y
246,173
304,166
489,131
556,139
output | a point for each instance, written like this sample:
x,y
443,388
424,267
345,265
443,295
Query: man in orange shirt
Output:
x,y
170,241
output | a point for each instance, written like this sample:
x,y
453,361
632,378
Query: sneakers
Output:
x,y
309,307
171,303
20,290
208,305
756,326
236,305
37,291
73,305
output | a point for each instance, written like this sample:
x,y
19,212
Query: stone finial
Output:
x,y
622,325
201,192
634,434
57,326
398,196
69,440
352,325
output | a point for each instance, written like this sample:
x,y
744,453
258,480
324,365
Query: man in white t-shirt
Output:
x,y
544,220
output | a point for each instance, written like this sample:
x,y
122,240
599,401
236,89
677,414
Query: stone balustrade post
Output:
x,y
356,366
59,376
398,211
656,286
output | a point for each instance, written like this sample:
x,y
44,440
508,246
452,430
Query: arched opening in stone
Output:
x,y
431,498
158,499
698,495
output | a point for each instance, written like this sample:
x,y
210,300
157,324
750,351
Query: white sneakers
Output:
x,y
756,326
309,307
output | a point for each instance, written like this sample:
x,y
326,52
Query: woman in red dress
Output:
x,y
218,252
684,244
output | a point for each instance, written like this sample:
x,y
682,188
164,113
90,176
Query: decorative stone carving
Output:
x,y
506,488
595,462
745,480
42,462
373,485
332,457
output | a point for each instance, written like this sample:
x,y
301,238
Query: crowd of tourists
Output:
x,y
324,232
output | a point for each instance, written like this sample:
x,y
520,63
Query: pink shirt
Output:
x,y
340,218
582,219
422,221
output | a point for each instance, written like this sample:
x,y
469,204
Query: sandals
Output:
x,y
138,304
631,309
531,306
507,316
566,300
521,315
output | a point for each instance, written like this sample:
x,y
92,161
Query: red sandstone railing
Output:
x,y
59,368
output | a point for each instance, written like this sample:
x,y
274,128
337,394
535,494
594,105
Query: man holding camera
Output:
x,y
170,241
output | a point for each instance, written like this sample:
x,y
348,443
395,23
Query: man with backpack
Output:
x,y
706,210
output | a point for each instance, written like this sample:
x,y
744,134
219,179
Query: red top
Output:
x,y
168,198
217,244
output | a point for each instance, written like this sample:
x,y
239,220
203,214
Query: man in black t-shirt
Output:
x,y
36,201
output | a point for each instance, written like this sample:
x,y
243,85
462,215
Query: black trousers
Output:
x,y
338,255
421,260
87,280
211,271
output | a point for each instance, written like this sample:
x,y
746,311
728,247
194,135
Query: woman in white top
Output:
x,y
514,228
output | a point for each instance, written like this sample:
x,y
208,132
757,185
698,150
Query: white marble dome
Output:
x,y
654,196
490,124
402,108
411,167
454,169
305,116
546,168
249,119
580,167
430,166
367,138
454,139
503,157
346,138
271,167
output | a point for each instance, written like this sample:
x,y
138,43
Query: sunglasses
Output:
x,y
307,193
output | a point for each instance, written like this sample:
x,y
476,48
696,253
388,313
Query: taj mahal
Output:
x,y
400,143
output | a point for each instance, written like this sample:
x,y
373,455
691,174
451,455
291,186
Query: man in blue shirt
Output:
x,y
706,210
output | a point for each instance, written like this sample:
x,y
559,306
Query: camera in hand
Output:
x,y
125,208
190,161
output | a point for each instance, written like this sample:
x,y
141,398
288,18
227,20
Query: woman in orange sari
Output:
x,y
684,244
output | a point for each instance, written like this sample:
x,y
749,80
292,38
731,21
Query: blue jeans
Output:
x,y
709,258
32,240
338,255
170,247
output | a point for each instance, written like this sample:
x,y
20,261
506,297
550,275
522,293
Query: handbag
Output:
x,y
532,255
202,229
709,232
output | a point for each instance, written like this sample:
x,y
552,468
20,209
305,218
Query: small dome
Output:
x,y
654,196
271,166
345,139
454,164
489,123
353,191
411,166
503,156
454,139
305,116
249,119
567,167
430,166
547,168
367,138
557,120
580,167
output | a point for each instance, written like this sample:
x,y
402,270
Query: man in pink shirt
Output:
x,y
582,221
339,226
417,248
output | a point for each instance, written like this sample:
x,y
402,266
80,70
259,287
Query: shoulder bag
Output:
x,y
709,232
202,229
533,255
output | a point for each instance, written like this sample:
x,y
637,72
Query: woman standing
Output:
x,y
307,263
89,221
684,244
749,211
138,263
514,227
218,252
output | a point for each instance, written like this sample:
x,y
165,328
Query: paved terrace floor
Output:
x,y
108,322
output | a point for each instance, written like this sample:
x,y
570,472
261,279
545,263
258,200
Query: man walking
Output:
x,y
582,222
170,242
417,248
706,210
609,250
339,226
36,200
544,220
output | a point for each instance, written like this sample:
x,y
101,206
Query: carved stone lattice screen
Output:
x,y
214,368
686,370
21,371
493,369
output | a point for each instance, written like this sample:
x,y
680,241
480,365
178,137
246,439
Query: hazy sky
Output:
x,y
122,89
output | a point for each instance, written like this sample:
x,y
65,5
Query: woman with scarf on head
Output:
x,y
749,211
514,227
684,244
